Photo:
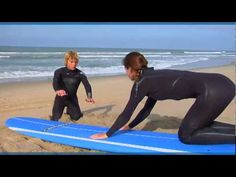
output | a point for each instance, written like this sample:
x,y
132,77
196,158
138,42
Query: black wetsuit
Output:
x,y
69,80
213,92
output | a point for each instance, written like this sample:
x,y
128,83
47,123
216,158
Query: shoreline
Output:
x,y
49,79
111,93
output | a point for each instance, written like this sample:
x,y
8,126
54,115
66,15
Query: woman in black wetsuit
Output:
x,y
66,81
213,93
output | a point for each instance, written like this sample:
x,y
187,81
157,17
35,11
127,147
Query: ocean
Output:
x,y
39,63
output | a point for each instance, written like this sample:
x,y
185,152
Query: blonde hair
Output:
x,y
71,55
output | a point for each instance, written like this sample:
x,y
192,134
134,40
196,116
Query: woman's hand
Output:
x,y
90,100
99,136
61,92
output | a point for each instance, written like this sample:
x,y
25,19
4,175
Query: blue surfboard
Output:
x,y
123,142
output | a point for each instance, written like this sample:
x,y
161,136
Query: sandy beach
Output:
x,y
35,99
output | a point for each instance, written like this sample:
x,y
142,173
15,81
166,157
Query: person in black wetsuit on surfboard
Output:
x,y
66,81
213,92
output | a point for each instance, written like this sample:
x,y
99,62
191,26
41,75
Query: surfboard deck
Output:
x,y
123,142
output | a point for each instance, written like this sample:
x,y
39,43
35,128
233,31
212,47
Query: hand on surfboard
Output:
x,y
99,136
104,135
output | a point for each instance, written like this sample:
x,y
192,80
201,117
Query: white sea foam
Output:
x,y
187,52
162,64
90,71
32,53
41,64
4,56
24,74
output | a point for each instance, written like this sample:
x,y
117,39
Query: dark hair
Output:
x,y
135,60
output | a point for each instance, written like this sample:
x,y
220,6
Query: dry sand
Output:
x,y
35,99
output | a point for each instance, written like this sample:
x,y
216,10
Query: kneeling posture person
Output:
x,y
66,81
